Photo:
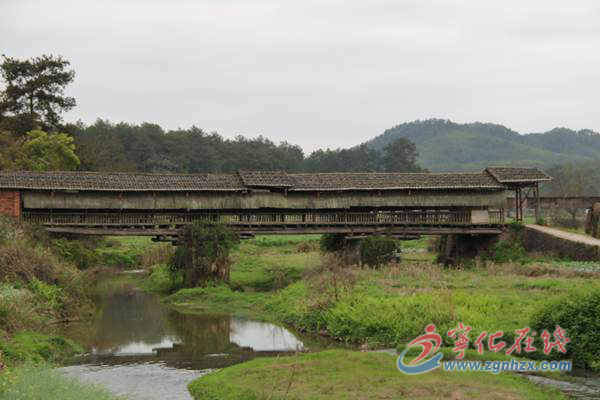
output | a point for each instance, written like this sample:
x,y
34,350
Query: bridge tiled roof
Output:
x,y
390,181
495,178
110,181
266,178
517,175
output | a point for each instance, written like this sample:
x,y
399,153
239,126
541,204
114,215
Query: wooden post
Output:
x,y
517,203
537,202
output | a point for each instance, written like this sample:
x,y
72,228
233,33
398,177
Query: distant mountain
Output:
x,y
445,145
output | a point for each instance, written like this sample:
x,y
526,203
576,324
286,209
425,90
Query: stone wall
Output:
x,y
540,242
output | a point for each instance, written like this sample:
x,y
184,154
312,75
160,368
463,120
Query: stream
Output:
x,y
141,349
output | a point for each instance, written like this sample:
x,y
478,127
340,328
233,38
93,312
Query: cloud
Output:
x,y
319,73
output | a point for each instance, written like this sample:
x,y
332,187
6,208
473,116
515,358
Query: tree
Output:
x,y
34,94
10,151
570,180
358,158
48,152
400,156
203,255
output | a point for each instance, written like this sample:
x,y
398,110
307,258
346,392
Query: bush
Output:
x,y
376,251
579,315
77,252
333,242
8,229
204,253
307,246
52,295
516,227
541,221
118,260
508,250
163,279
18,309
21,262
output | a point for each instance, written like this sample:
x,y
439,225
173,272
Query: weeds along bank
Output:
x,y
39,290
288,280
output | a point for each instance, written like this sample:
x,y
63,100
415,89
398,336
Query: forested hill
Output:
x,y
445,145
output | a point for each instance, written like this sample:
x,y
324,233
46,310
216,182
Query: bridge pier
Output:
x,y
455,248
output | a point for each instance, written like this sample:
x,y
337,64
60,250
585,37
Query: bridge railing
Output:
x,y
403,217
496,217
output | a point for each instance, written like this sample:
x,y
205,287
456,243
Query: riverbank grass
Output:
x,y
273,262
390,306
343,374
31,382
263,264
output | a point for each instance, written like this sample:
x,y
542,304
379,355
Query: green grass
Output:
x,y
29,382
162,280
123,251
283,240
390,306
222,299
421,243
37,347
393,305
385,307
343,374
271,262
590,266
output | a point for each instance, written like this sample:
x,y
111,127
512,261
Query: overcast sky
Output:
x,y
319,73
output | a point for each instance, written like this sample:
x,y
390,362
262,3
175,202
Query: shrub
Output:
x,y
507,251
76,252
18,309
204,253
378,250
117,259
579,315
333,242
21,262
157,254
8,229
163,279
307,246
516,227
541,221
52,295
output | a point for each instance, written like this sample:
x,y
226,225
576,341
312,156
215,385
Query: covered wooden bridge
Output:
x,y
265,201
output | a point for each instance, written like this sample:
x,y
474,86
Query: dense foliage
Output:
x,y
34,94
446,145
376,251
333,242
105,146
579,314
204,253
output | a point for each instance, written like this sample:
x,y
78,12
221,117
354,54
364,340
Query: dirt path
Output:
x,y
575,237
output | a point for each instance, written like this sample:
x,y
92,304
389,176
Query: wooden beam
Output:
x,y
289,231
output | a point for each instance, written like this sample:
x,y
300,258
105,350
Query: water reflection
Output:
x,y
260,336
134,327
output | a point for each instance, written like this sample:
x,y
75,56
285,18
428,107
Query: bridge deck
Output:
x,y
151,224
